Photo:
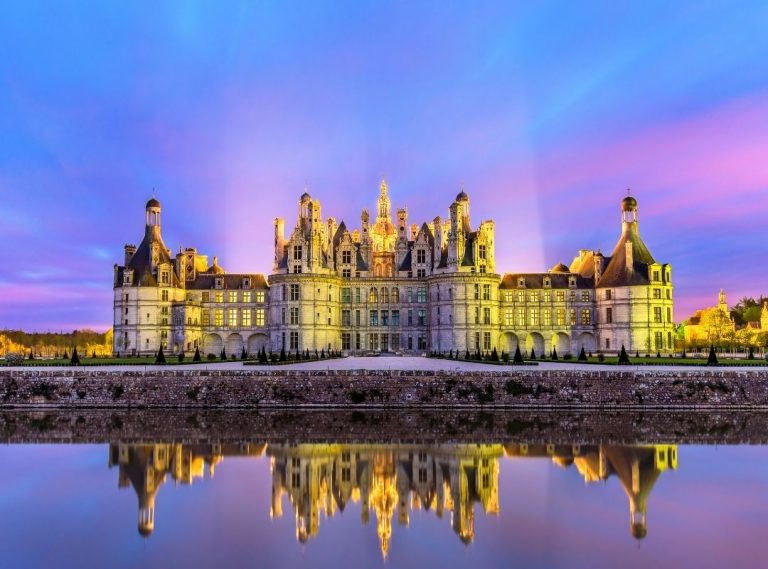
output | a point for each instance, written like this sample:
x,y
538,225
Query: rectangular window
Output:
x,y
374,318
609,315
421,294
260,297
218,317
421,256
481,252
657,314
373,341
259,314
410,295
669,316
395,318
486,292
533,316
657,293
521,316
294,315
608,295
486,341
346,320
656,275
477,315
358,343
165,295
206,296
422,342
659,340
586,316
246,296
206,318
509,317
561,316
477,341
534,296
218,296
346,257
422,314
572,314
585,296
232,317
232,296
346,295
345,341
410,317
486,315
421,273
477,292
546,317
294,292
508,296
357,318
547,296
560,296
346,273
246,316
297,252
294,340
520,296
385,317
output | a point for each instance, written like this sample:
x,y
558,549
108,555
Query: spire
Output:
x,y
383,204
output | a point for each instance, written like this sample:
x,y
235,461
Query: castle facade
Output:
x,y
388,286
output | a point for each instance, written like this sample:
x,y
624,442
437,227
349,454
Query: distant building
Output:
x,y
388,286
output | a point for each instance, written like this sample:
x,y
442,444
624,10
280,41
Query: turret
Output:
x,y
279,242
402,224
153,213
130,251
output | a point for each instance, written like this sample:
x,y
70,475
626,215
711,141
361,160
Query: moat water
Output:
x,y
273,503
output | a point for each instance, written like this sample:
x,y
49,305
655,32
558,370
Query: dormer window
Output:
x,y
297,252
421,256
246,282
521,282
219,282
547,282
165,277
128,277
572,282
346,257
481,252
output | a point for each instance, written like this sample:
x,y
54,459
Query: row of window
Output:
x,y
235,317
245,296
545,317
544,296
383,342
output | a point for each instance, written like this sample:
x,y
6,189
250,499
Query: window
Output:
x,y
534,296
482,269
546,317
166,278
657,293
585,296
410,317
346,257
669,294
521,316
422,342
609,315
373,296
346,320
410,295
547,296
421,294
260,296
421,256
422,315
206,297
282,316
486,315
608,294
486,341
395,318
481,252
547,282
294,340
206,318
232,296
533,316
218,296
385,317
659,340
297,252
586,316
246,316
509,317
247,296
477,291
345,340
357,318
520,296
346,273
477,341
164,295
357,295
358,342
421,273
385,295
218,317
395,295
657,314
294,315
294,292
259,313
374,318
486,292
607,343
373,341
656,275
561,316
669,317
507,296
572,315
560,296
346,295
232,317
477,315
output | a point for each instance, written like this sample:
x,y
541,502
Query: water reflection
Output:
x,y
392,480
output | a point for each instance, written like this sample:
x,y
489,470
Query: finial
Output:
x,y
629,192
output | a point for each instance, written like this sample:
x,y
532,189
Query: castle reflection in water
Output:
x,y
390,479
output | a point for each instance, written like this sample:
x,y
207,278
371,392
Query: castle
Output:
x,y
388,286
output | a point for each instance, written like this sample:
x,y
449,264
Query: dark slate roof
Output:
x,y
361,264
141,260
469,250
616,273
406,264
425,229
339,234
231,281
536,280
443,262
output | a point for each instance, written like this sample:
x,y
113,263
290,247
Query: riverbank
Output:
x,y
537,387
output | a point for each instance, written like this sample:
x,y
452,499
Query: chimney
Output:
x,y
279,241
598,265
414,231
437,229
130,251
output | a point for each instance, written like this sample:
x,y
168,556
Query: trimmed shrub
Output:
x,y
533,354
518,357
623,357
196,357
75,359
223,354
243,354
712,359
210,357
751,355
160,357
282,355
582,355
494,355
554,354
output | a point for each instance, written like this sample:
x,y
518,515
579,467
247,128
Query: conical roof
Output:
x,y
616,272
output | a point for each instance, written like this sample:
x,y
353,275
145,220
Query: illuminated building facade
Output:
x,y
391,287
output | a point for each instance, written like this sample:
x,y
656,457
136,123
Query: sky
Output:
x,y
545,112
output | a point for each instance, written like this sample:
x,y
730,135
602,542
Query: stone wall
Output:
x,y
579,389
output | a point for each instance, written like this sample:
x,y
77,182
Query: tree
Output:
x,y
466,355
160,357
31,355
623,357
243,354
533,354
518,357
712,359
263,355
75,361
554,354
223,355
494,355
197,357
751,355
582,355
282,354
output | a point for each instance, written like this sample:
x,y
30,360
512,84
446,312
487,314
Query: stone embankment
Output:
x,y
653,388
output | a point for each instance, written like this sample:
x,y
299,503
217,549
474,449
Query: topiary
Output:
x,y
623,357
582,355
223,354
712,359
160,357
75,359
554,354
196,357
518,357
533,354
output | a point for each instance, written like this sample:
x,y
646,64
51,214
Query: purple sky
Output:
x,y
545,112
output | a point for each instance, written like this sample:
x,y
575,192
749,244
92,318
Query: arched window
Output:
x,y
385,295
395,294
373,295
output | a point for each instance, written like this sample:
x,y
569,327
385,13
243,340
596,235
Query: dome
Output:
x,y
153,203
462,196
305,196
560,268
628,204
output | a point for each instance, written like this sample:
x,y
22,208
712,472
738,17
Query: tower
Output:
x,y
153,213
722,303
